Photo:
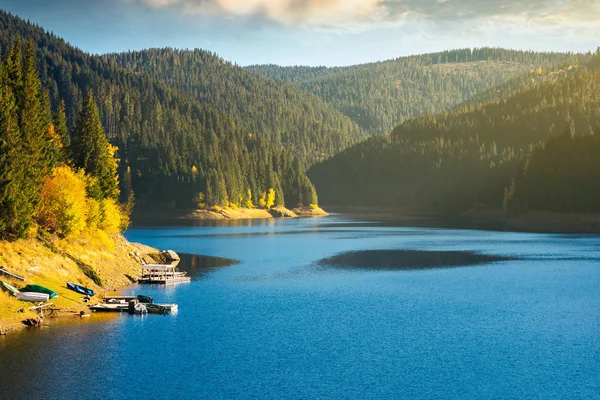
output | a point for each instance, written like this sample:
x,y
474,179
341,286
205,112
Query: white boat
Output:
x,y
33,296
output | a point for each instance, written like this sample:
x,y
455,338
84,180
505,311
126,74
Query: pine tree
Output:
x,y
12,221
92,152
60,127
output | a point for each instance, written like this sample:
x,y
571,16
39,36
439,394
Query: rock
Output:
x,y
31,322
281,212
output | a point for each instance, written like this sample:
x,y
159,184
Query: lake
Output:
x,y
336,308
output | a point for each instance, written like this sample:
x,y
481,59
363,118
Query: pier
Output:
x,y
162,274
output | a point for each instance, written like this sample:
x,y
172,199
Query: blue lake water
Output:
x,y
281,325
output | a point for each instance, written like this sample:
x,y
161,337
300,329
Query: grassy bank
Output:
x,y
51,262
256,213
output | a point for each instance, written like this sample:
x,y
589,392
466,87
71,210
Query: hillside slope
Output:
x,y
453,160
50,262
172,146
281,112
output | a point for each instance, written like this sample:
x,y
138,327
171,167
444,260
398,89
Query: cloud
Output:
x,y
344,13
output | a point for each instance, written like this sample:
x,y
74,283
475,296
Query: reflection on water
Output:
x,y
199,265
408,259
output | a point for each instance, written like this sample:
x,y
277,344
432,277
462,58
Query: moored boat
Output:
x,y
110,307
39,289
34,297
9,288
80,289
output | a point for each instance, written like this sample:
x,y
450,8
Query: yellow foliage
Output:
x,y
200,202
105,241
262,201
233,206
216,208
94,214
194,170
313,206
271,198
114,164
249,203
111,216
63,208
54,136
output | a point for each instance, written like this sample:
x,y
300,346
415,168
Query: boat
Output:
x,y
39,289
145,299
118,307
9,288
34,297
80,289
140,309
3,271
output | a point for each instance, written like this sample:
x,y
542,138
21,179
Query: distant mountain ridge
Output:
x,y
380,95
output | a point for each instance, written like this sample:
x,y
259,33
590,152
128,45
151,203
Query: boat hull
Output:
x,y
33,297
9,288
39,289
80,289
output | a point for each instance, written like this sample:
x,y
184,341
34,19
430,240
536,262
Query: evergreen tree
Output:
x,y
14,220
60,127
92,152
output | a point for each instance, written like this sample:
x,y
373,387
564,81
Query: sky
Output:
x,y
317,32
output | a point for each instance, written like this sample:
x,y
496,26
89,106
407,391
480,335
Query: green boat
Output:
x,y
39,289
9,288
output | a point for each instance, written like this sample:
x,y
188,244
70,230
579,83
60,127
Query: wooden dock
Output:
x,y
164,274
164,280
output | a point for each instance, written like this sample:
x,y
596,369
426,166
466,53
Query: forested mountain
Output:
x,y
378,96
278,111
453,160
173,146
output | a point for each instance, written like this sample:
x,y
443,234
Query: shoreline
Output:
x,y
53,262
154,214
479,219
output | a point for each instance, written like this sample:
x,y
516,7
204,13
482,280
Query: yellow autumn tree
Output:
x,y
63,207
270,198
111,216
262,201
249,203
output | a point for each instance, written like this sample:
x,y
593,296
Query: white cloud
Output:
x,y
343,13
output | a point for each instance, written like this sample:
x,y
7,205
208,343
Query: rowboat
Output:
x,y
110,307
80,289
9,288
39,289
33,296
145,299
